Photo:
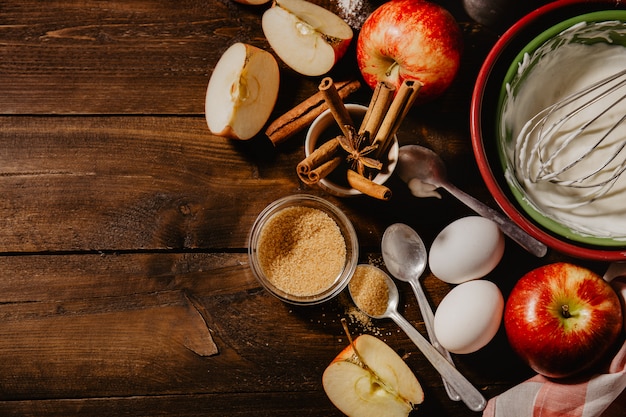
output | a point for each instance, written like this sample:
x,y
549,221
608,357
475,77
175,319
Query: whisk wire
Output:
x,y
550,176
545,142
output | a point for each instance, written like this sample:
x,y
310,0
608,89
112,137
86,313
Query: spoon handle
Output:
x,y
428,316
506,225
469,394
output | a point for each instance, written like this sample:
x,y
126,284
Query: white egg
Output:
x,y
466,249
469,316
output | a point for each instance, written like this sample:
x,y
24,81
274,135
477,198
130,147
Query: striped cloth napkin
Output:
x,y
601,395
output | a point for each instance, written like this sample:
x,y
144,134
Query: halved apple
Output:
x,y
308,38
242,92
371,382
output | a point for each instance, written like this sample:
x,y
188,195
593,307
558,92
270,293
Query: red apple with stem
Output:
x,y
410,39
562,319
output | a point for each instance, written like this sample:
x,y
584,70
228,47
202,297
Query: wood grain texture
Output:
x,y
119,183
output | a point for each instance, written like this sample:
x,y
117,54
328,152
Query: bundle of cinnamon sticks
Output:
x,y
364,149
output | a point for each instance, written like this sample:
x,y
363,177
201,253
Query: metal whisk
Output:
x,y
576,141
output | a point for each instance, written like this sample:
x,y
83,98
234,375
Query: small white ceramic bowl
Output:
x,y
325,127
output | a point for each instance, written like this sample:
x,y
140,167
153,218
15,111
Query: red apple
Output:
x,y
562,319
410,39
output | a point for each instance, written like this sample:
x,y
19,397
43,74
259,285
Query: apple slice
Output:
x,y
242,92
369,379
308,38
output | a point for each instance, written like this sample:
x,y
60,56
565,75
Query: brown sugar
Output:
x,y
302,251
369,290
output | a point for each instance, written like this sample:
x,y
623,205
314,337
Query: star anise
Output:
x,y
357,148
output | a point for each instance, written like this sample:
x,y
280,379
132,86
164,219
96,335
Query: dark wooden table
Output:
x,y
124,280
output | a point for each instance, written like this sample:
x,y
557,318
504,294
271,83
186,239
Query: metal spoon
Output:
x,y
405,256
418,163
468,393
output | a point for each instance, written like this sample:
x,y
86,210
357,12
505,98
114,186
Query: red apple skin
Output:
x,y
410,39
552,345
619,285
340,47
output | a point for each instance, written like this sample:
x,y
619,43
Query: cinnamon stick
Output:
x,y
402,102
323,170
367,186
320,155
336,105
300,116
378,107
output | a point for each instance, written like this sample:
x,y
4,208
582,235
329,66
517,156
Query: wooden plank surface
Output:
x,y
124,279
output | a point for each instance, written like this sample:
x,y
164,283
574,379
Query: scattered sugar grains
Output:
x,y
356,316
369,290
302,250
354,12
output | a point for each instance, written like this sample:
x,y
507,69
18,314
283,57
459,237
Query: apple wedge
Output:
x,y
242,92
371,382
308,38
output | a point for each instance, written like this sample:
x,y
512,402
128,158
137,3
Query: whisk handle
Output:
x,y
509,228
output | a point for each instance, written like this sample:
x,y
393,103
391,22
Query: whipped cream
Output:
x,y
560,67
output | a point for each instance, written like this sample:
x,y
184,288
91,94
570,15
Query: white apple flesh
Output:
x,y
562,319
381,385
308,38
410,39
242,92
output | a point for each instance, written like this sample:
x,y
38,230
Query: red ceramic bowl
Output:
x,y
484,114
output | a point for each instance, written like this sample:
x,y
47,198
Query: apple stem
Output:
x,y
565,311
344,323
391,69
356,352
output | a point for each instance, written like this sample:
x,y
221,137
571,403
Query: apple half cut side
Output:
x,y
381,385
308,38
242,92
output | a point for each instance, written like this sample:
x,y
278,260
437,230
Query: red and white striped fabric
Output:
x,y
602,395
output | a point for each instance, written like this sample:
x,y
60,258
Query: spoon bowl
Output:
x,y
392,301
415,161
405,256
468,393
417,164
404,252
